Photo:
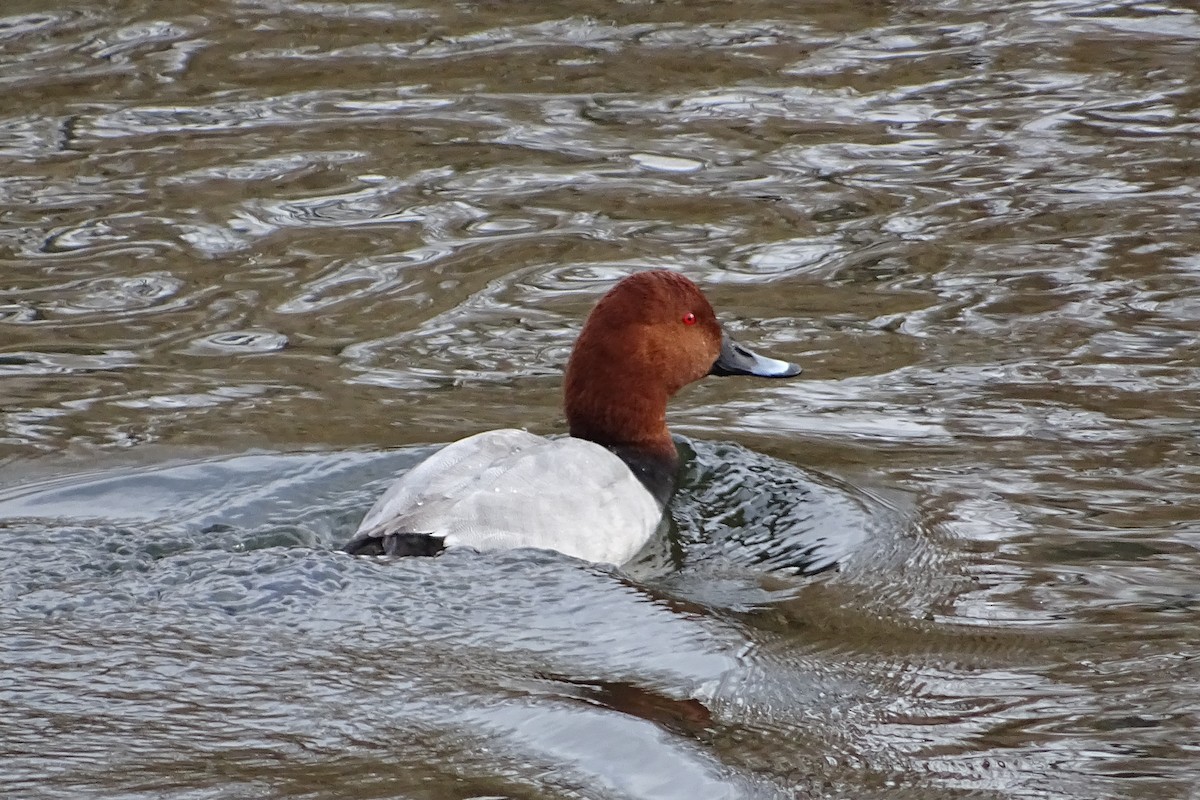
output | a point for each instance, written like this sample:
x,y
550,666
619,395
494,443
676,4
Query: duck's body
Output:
x,y
507,488
598,494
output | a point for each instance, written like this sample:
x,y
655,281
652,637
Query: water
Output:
x,y
258,258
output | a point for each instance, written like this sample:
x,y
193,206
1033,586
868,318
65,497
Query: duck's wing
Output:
x,y
508,489
399,524
448,473
568,495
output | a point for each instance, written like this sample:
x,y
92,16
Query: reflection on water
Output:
x,y
353,230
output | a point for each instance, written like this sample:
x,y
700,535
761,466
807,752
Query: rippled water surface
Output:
x,y
257,258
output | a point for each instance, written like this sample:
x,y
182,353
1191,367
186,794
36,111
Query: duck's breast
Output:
x,y
508,488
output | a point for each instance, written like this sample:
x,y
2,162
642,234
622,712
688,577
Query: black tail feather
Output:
x,y
396,544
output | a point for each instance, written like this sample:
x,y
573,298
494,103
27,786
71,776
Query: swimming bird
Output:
x,y
599,493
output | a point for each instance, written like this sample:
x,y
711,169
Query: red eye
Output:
x,y
689,318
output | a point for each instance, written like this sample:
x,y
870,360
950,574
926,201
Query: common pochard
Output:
x,y
600,493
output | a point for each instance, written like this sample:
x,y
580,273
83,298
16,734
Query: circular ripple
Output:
x,y
238,343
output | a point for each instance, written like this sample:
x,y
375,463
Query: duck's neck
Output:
x,y
656,471
631,421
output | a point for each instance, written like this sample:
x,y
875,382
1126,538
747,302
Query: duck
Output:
x,y
599,493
